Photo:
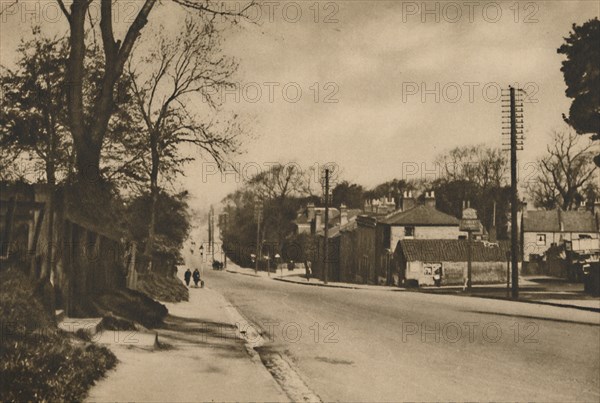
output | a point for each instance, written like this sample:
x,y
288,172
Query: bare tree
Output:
x,y
88,135
178,72
479,164
564,172
279,182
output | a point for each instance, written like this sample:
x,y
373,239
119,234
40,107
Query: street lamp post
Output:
x,y
277,257
469,223
326,219
258,216
201,260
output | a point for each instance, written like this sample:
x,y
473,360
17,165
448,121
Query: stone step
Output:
x,y
88,325
128,338
59,315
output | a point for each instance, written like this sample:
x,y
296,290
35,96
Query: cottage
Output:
x,y
417,260
379,230
420,222
542,229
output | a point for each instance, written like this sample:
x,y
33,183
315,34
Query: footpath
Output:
x,y
532,289
200,356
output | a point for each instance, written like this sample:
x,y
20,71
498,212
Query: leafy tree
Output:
x,y
393,188
33,121
350,194
581,72
172,221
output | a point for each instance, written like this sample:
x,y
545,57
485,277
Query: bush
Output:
x,y
38,361
131,305
163,288
111,322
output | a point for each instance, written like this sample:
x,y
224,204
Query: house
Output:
x,y
420,222
311,219
362,251
417,259
339,263
541,229
412,221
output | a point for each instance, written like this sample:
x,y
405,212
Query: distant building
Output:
x,y
311,219
541,229
363,251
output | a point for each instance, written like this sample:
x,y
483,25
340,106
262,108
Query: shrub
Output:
x,y
131,305
38,361
162,287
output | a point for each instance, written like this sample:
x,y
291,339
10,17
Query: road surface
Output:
x,y
361,345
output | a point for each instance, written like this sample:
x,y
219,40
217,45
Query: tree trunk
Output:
x,y
154,190
87,139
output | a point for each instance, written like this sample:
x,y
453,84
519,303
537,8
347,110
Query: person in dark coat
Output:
x,y
308,268
187,276
196,277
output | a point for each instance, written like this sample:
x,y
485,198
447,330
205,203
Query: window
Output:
x,y
409,231
540,239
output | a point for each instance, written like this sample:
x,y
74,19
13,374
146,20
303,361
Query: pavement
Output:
x,y
298,276
201,356
532,289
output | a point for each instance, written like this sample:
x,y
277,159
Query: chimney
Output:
x,y
310,211
343,214
318,221
430,199
408,201
596,205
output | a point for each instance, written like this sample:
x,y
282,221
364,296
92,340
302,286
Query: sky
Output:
x,y
378,88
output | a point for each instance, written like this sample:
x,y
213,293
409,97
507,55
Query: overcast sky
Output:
x,y
371,61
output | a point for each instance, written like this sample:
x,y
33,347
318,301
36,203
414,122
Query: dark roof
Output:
x,y
302,215
420,215
549,221
450,250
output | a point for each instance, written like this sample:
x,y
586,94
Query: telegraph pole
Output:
x,y
225,219
515,115
212,232
326,245
258,215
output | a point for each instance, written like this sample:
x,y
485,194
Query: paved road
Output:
x,y
391,346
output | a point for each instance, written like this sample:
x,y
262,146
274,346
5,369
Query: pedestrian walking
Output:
x,y
187,276
307,267
196,277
